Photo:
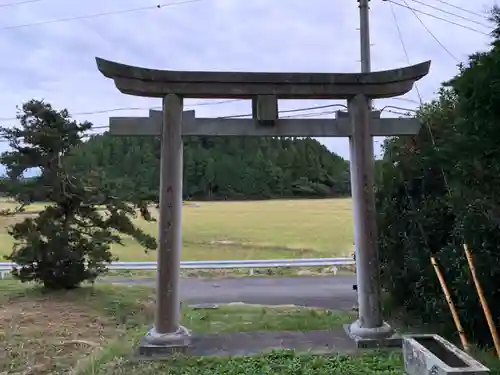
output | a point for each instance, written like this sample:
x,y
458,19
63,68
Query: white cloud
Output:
x,y
55,61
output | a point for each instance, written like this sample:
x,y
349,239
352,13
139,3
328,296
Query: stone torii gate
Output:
x,y
264,89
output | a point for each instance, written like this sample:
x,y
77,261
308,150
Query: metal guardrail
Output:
x,y
219,264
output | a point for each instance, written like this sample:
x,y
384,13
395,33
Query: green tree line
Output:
x,y
218,167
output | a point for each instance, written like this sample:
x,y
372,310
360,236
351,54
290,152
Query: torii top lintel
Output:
x,y
246,85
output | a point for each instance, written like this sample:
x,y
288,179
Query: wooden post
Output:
x,y
482,300
451,305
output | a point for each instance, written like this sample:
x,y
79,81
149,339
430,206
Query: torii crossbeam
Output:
x,y
220,127
264,89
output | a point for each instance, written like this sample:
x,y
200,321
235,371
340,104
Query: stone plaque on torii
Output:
x,y
264,89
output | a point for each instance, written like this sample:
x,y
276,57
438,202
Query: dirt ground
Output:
x,y
42,334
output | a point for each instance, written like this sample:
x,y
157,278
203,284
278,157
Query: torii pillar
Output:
x,y
264,89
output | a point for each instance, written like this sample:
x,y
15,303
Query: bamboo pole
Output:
x,y
454,313
484,303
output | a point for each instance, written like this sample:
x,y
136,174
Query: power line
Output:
x,y
426,28
429,129
403,45
314,114
95,15
303,115
135,109
207,103
397,108
290,110
400,35
397,112
407,99
450,13
227,117
18,3
438,18
462,9
164,5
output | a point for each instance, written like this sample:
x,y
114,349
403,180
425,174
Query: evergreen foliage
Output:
x,y
217,168
69,241
432,199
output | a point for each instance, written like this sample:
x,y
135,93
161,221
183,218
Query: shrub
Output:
x,y
440,190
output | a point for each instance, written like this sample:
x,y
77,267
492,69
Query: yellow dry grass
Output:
x,y
246,230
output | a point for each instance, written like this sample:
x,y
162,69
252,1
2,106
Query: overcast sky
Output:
x,y
55,60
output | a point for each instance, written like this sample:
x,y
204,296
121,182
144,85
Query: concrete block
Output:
x,y
429,354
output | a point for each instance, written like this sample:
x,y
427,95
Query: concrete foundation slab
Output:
x,y
392,341
252,343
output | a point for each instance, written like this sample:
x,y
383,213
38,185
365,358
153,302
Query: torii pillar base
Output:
x,y
372,338
156,345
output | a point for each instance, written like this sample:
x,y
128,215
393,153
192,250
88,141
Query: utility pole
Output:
x,y
364,34
370,324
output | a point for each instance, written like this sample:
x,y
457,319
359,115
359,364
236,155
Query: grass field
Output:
x,y
245,230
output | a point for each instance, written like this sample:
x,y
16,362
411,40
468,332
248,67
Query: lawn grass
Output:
x,y
244,230
274,363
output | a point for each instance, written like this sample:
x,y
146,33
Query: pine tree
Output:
x,y
69,241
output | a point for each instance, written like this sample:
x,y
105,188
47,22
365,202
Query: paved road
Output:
x,y
332,292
